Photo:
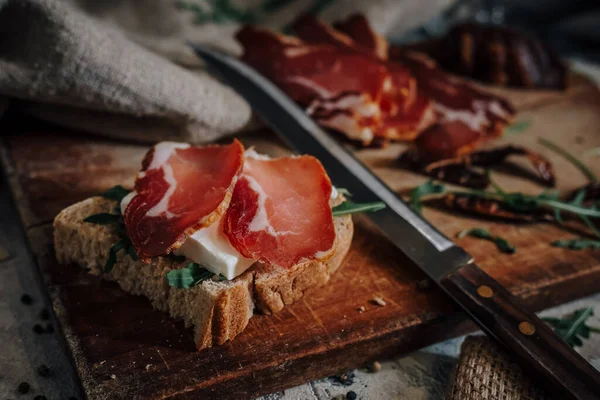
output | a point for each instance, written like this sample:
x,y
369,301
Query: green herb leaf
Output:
x,y
569,157
573,328
516,128
348,207
594,151
481,233
522,203
103,219
426,189
189,276
132,253
112,254
116,193
577,244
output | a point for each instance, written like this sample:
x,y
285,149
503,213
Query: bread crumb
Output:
x,y
361,309
375,367
148,366
379,301
113,376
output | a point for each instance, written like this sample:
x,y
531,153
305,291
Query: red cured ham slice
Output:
x,y
401,117
408,125
341,88
350,114
402,91
447,141
357,27
309,72
455,99
180,189
280,212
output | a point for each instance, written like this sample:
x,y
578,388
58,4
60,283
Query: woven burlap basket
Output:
x,y
486,372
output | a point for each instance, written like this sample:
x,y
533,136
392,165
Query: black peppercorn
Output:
x,y
37,328
40,397
43,370
26,299
24,387
45,314
351,395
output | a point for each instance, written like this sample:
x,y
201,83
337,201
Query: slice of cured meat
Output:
x,y
280,212
309,72
357,27
343,88
402,118
408,125
447,140
401,91
350,114
455,99
180,189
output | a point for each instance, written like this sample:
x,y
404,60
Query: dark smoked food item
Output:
x,y
496,55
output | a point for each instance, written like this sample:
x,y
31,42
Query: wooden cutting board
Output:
x,y
152,356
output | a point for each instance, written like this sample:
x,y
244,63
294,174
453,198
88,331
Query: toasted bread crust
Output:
x,y
218,310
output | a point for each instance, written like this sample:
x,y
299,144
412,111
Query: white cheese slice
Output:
x,y
210,248
126,200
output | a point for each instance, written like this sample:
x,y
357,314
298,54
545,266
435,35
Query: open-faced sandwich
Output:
x,y
209,233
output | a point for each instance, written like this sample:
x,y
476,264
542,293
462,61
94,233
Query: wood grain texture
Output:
x,y
152,356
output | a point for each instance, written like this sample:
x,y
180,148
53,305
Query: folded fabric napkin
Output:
x,y
78,72
101,66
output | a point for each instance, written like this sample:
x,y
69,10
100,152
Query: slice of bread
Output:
x,y
219,310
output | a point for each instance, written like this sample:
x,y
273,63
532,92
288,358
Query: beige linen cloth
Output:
x,y
487,372
109,66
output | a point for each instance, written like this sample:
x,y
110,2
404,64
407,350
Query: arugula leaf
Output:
x,y
132,253
189,276
516,128
349,207
103,219
569,157
426,189
481,233
112,254
577,244
594,151
116,193
573,328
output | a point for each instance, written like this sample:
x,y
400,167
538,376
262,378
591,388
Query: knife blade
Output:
x,y
492,307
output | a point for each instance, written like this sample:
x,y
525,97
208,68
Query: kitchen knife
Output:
x,y
499,313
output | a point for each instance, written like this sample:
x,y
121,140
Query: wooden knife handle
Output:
x,y
528,339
